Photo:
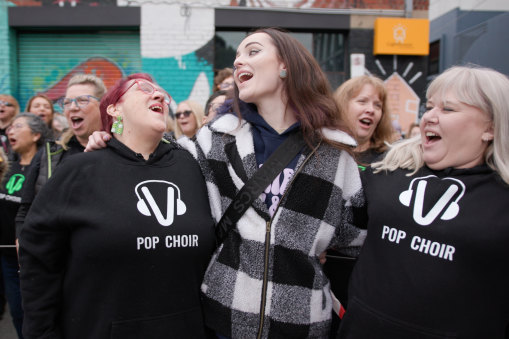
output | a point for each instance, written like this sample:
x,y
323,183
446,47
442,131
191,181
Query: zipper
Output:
x,y
267,243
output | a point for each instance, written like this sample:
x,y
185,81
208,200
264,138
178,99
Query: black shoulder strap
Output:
x,y
258,182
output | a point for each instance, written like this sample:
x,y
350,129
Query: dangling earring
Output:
x,y
118,126
283,73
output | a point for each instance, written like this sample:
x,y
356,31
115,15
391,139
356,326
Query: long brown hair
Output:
x,y
306,87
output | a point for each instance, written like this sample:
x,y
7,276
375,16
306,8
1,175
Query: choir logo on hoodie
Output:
x,y
432,197
160,199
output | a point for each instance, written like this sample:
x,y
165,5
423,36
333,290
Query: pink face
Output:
x,y
452,133
7,109
144,109
257,68
21,137
364,114
187,124
83,119
415,131
226,84
42,108
214,106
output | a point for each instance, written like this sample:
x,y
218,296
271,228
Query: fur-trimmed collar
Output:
x,y
229,124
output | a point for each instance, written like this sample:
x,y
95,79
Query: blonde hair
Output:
x,y
197,113
483,88
351,88
99,91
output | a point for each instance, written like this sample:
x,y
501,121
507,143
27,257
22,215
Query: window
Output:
x,y
327,48
434,58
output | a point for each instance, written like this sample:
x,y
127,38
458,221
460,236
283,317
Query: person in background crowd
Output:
x,y
60,123
413,130
9,108
223,81
4,164
265,280
215,101
125,257
4,167
42,106
81,108
435,258
362,103
170,125
26,134
397,133
188,118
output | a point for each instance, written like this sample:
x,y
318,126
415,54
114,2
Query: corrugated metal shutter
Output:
x,y
46,61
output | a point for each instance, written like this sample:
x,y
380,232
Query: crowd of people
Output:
x,y
132,221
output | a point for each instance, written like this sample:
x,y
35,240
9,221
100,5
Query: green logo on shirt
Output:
x,y
15,183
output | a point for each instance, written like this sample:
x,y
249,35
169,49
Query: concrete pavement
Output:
x,y
7,331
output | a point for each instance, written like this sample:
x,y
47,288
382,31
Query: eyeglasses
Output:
x,y
183,114
226,85
149,89
6,103
80,101
15,127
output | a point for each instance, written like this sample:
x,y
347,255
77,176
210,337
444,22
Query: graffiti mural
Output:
x,y
47,61
181,57
330,4
101,67
64,3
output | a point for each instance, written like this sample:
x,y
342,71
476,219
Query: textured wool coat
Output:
x,y
265,279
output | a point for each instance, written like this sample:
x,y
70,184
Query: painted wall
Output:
x,y
176,40
177,48
47,61
7,52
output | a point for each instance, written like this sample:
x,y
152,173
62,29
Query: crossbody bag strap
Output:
x,y
258,182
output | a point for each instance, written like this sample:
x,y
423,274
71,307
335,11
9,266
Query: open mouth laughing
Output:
x,y
432,137
244,76
158,108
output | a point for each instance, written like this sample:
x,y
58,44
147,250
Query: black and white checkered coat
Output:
x,y
314,214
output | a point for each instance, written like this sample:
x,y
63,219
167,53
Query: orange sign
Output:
x,y
401,36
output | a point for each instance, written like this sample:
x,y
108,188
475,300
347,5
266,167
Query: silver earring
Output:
x,y
283,74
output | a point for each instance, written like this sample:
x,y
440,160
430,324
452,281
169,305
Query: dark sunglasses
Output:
x,y
185,114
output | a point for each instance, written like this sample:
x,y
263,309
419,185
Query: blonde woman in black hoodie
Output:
x,y
434,264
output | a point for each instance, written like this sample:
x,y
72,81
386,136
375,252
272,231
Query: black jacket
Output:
x,y
436,258
43,166
115,247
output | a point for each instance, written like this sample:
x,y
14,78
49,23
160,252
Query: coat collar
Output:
x,y
229,124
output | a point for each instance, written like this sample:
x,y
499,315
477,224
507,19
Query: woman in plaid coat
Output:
x,y
265,280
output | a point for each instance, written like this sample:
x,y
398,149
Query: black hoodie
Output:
x,y
116,247
435,261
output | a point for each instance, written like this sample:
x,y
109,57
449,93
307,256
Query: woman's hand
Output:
x,y
97,140
323,257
